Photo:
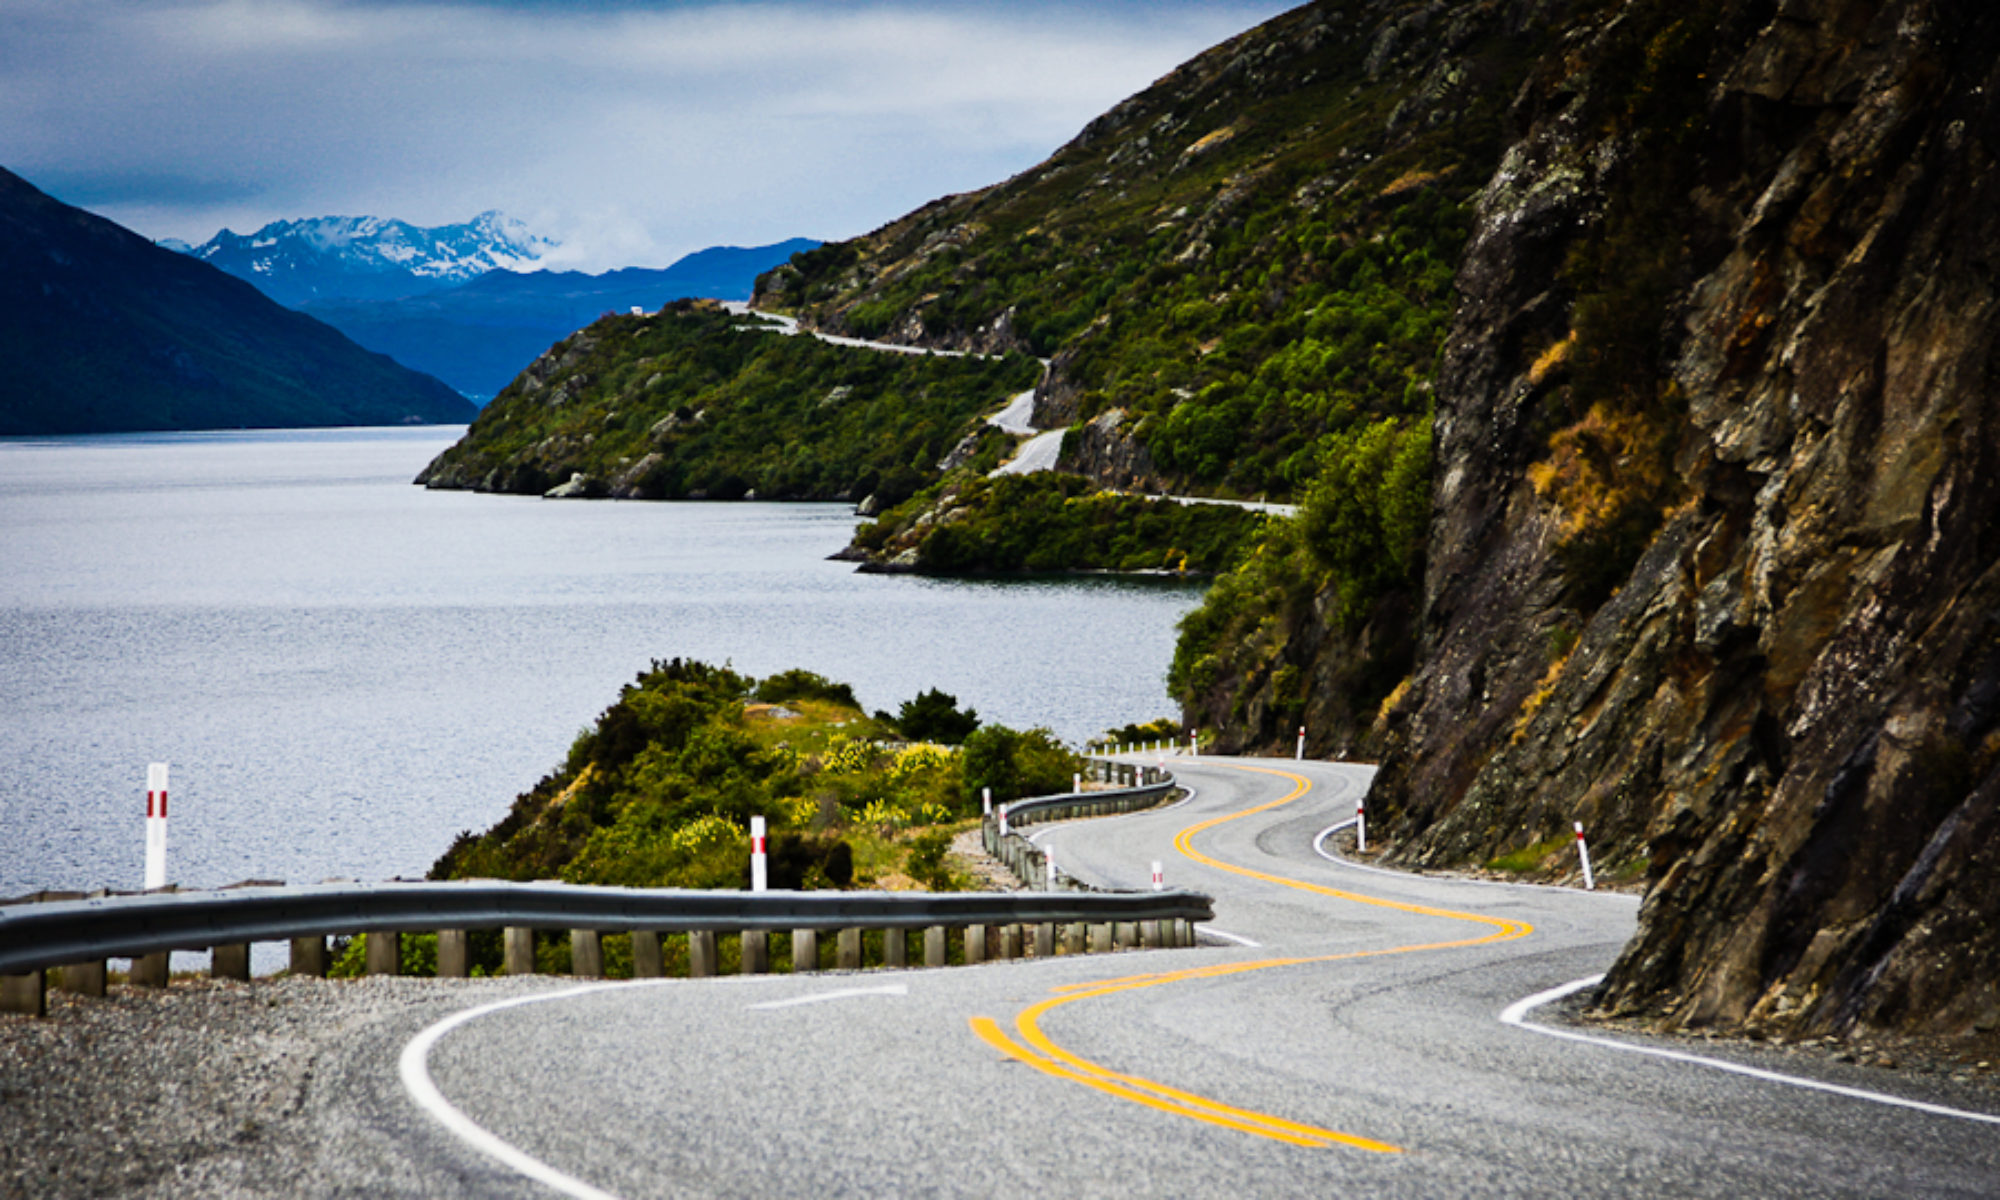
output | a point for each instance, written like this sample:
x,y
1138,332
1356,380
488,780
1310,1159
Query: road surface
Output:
x,y
1354,1048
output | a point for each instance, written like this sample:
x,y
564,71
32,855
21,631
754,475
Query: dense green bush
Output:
x,y
1366,516
660,790
1014,763
933,716
798,684
1161,730
1054,522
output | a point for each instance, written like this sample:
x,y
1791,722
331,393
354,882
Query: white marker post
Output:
x,y
1003,820
986,801
1361,825
1159,878
156,825
1076,783
1302,744
1050,874
759,868
1583,853
1191,746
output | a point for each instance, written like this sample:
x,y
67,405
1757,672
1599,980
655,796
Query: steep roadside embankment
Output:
x,y
1715,559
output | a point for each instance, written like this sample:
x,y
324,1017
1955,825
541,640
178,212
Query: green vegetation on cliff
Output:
x,y
1244,277
1053,522
695,402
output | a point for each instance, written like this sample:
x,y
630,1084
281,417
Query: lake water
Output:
x,y
344,670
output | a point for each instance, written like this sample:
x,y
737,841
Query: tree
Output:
x,y
934,716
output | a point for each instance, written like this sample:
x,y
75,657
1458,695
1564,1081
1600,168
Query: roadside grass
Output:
x,y
1528,859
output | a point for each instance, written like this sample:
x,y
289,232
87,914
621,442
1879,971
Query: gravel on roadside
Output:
x,y
206,1088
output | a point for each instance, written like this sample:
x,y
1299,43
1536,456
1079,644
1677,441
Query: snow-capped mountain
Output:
x,y
370,258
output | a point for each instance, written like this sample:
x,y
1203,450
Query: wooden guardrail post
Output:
x,y
26,993
149,970
230,961
1124,934
975,944
85,979
896,947
454,954
1074,935
1150,936
517,950
384,952
1100,937
153,971
701,954
648,960
756,951
935,954
847,949
1045,940
309,957
805,951
1010,941
586,954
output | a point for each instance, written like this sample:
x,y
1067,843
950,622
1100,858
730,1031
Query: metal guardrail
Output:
x,y
1029,862
37,936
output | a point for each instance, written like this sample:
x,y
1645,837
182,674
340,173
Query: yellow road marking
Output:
x,y
1036,1049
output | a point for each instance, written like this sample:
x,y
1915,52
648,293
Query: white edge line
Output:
x,y
1238,938
894,989
1516,1014
415,1070
1319,848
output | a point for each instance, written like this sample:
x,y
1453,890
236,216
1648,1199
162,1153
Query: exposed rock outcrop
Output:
x,y
1787,715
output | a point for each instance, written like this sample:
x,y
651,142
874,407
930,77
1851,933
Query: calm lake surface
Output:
x,y
345,670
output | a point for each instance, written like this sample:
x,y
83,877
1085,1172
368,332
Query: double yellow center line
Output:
x,y
1036,1049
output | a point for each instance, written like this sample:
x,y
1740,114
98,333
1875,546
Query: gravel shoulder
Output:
x,y
215,1088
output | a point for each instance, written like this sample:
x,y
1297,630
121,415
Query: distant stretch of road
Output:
x,y
1341,1035
1040,448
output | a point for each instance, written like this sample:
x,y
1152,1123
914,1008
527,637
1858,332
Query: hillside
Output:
x,y
478,335
695,403
103,332
1244,277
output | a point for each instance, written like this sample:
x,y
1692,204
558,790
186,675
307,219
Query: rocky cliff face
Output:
x,y
1715,560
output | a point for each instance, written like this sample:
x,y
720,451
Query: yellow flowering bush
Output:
x,y
884,814
704,831
920,758
848,756
799,810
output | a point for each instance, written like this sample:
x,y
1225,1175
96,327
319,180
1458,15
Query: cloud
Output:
x,y
636,131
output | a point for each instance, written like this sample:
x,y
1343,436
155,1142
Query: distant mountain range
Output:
x,y
368,258
462,302
478,336
102,331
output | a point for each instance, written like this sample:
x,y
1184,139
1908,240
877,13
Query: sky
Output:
x,y
633,132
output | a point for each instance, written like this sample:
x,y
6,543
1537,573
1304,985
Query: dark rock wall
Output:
x,y
1787,714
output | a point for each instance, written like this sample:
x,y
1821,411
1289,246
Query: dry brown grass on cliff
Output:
x,y
1601,466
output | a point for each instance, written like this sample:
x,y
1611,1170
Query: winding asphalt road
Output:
x,y
1355,1049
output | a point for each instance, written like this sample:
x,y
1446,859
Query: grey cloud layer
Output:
x,y
634,131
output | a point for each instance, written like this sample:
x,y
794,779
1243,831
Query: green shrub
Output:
x,y
1015,764
797,684
932,716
